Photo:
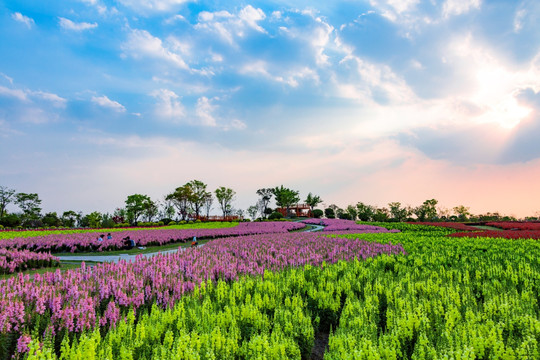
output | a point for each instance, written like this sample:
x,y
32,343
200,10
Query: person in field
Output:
x,y
100,238
109,236
194,243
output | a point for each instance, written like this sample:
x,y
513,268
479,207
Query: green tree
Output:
x,y
70,218
313,201
180,198
225,196
398,213
6,197
285,197
51,219
252,211
197,196
427,211
265,197
381,214
94,219
136,204
208,201
329,213
352,211
462,212
30,205
365,212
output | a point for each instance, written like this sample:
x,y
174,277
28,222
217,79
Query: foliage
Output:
x,y
317,213
365,212
136,205
427,211
225,196
329,213
6,197
313,201
285,197
265,197
275,215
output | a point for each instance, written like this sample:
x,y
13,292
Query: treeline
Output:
x,y
194,201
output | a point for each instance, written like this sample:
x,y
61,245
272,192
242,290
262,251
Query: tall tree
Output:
x,y
70,218
398,213
462,212
136,204
427,211
225,196
365,212
252,211
181,199
197,196
6,197
313,201
30,205
352,211
285,197
208,201
265,197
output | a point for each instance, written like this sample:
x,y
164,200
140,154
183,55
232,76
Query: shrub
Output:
x,y
275,216
172,223
329,213
317,213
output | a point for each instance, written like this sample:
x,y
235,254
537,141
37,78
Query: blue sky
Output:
x,y
373,101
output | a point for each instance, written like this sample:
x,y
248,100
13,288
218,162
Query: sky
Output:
x,y
372,101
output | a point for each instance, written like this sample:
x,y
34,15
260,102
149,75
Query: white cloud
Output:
x,y
229,26
70,25
168,106
55,99
23,19
290,77
16,93
458,7
141,44
174,19
518,20
204,111
144,6
105,102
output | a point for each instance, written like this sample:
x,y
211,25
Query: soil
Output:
x,y
319,346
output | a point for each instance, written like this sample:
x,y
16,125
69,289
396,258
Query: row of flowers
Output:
x,y
514,225
87,297
504,234
346,225
89,241
20,260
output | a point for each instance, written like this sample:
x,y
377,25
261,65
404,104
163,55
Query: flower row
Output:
x,y
89,242
346,225
18,260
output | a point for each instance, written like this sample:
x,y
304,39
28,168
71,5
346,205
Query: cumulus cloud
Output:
x,y
70,25
168,105
23,19
56,100
458,7
16,93
141,44
229,26
105,102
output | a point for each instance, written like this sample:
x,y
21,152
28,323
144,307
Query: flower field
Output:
x,y
86,298
514,225
87,241
19,260
414,294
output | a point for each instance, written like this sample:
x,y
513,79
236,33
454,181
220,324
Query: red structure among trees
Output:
x,y
298,210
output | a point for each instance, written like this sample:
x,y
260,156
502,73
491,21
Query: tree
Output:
x,y
365,212
6,197
313,201
197,195
150,210
427,211
136,204
225,196
266,196
208,201
352,211
51,219
380,214
94,219
70,218
397,213
285,197
329,213
318,213
181,199
119,216
462,212
30,205
252,211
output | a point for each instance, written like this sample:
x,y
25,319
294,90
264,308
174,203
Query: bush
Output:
x,y
317,213
345,216
171,223
329,213
275,216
